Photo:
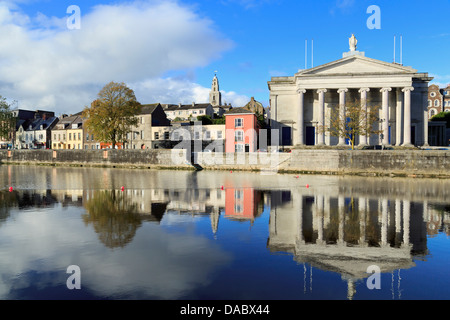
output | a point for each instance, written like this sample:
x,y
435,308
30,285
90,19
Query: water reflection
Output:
x,y
339,225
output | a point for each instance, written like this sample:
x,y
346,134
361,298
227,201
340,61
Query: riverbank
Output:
x,y
415,163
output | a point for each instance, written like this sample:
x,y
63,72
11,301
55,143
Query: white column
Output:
x,y
399,118
321,134
407,118
363,139
342,93
425,127
300,119
385,115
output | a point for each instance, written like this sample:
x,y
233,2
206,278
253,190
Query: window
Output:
x,y
156,135
219,134
429,103
433,94
166,135
197,135
239,148
436,103
239,136
70,136
79,135
176,135
238,123
432,113
54,136
208,135
142,134
87,137
92,137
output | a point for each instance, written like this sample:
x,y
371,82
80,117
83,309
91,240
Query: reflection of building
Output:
x,y
243,203
347,235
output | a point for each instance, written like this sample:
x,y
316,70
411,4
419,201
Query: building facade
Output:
x,y
241,131
302,103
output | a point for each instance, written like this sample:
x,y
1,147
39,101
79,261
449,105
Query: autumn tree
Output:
x,y
112,114
7,121
355,119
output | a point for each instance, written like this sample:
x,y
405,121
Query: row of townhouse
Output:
x,y
42,130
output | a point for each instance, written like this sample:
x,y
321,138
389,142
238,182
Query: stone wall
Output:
x,y
362,162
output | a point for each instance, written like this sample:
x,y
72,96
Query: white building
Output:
x,y
301,103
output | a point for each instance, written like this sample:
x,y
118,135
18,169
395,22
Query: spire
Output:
x,y
215,97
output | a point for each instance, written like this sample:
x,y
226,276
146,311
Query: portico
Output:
x,y
300,104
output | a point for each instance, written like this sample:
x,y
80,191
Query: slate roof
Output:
x,y
239,111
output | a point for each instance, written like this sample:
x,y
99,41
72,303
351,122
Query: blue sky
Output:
x,y
168,51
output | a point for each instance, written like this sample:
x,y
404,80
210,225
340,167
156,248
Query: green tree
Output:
x,y
355,120
205,119
442,116
7,121
113,113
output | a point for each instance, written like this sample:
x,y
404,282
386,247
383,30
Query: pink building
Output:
x,y
241,131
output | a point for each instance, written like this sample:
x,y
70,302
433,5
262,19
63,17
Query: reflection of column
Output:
x,y
321,133
362,207
342,119
341,204
319,215
300,120
384,221
398,219
300,239
363,91
406,214
407,122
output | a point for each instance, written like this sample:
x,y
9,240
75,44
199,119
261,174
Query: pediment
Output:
x,y
355,65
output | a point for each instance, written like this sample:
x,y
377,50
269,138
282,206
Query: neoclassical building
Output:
x,y
302,103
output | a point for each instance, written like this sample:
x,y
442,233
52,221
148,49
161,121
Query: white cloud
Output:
x,y
43,64
180,90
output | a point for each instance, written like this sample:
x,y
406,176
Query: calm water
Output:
x,y
220,235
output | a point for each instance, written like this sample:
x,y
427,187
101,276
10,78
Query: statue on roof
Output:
x,y
353,42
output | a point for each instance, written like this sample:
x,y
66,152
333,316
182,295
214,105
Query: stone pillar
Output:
x,y
399,118
321,133
407,122
342,120
319,217
300,239
385,115
425,128
300,119
273,111
363,139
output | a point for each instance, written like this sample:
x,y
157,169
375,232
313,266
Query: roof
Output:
x,y
238,111
149,108
194,106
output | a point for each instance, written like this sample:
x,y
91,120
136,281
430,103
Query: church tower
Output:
x,y
215,97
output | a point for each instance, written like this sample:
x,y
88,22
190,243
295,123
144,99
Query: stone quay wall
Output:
x,y
358,162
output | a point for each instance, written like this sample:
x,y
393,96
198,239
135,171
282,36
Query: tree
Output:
x,y
113,113
442,116
357,119
7,121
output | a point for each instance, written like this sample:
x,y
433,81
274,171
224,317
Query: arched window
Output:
x,y
429,103
432,113
436,103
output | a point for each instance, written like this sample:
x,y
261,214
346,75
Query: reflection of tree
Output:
x,y
113,216
7,200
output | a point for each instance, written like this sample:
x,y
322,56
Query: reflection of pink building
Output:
x,y
242,203
241,131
